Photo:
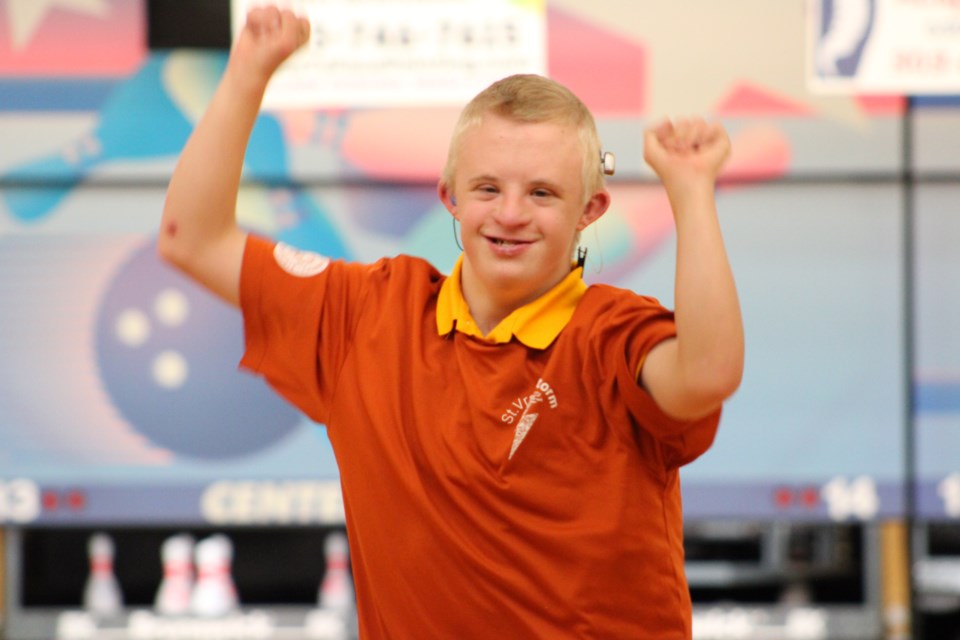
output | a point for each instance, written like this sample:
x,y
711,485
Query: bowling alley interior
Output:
x,y
153,488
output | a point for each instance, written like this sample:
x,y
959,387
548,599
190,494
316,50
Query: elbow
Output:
x,y
728,381
691,388
166,248
170,248
720,373
708,386
701,394
716,383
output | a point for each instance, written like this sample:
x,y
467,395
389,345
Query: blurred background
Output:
x,y
829,506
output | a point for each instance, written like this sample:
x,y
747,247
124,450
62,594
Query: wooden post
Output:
x,y
3,570
895,572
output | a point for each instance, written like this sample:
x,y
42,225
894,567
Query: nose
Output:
x,y
512,210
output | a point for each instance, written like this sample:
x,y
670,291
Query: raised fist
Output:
x,y
269,36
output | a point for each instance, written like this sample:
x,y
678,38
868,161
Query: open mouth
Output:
x,y
501,242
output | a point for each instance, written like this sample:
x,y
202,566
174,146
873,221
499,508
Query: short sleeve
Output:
x,y
630,327
299,313
681,441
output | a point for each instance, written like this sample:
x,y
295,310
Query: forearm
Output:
x,y
201,198
710,342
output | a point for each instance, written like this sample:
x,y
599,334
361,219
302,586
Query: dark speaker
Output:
x,y
197,24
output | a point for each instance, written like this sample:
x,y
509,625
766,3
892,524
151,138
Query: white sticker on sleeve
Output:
x,y
297,262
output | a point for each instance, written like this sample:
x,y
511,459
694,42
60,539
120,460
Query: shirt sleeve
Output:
x,y
629,331
299,315
681,441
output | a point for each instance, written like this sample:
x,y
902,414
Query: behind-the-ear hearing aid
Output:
x,y
608,162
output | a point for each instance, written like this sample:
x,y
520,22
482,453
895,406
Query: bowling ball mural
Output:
x,y
167,352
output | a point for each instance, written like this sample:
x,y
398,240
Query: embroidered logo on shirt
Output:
x,y
523,428
297,262
521,414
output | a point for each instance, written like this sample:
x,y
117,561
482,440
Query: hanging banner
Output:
x,y
390,53
884,46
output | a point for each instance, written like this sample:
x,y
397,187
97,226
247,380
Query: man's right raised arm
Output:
x,y
199,232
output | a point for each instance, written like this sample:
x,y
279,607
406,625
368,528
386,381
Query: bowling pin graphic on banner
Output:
x,y
215,593
101,595
176,588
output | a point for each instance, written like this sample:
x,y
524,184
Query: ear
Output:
x,y
446,196
596,206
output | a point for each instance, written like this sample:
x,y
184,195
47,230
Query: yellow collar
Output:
x,y
536,324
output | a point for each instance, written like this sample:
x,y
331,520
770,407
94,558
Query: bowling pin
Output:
x,y
176,587
101,594
215,593
336,589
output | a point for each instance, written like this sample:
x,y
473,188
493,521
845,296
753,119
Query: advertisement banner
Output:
x,y
390,53
884,46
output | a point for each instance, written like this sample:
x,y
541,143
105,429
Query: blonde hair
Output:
x,y
532,98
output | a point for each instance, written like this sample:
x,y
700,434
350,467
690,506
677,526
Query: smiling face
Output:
x,y
520,202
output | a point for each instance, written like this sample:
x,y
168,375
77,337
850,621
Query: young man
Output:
x,y
508,439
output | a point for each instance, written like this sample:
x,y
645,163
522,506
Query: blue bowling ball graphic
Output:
x,y
168,352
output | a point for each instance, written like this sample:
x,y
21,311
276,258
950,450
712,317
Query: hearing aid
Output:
x,y
608,162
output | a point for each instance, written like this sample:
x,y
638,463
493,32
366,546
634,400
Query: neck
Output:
x,y
485,313
490,305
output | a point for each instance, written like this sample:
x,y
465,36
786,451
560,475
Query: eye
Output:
x,y
541,193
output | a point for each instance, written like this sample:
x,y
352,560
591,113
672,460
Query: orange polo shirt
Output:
x,y
515,485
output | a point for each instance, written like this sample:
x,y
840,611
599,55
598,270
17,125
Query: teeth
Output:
x,y
504,243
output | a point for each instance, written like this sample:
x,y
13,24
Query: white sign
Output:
x,y
884,46
389,53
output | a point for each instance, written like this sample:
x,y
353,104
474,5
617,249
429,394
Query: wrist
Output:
x,y
245,84
693,200
693,188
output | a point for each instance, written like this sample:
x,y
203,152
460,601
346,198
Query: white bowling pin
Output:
x,y
176,588
336,589
214,593
101,594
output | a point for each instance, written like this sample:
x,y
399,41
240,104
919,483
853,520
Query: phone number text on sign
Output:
x,y
391,53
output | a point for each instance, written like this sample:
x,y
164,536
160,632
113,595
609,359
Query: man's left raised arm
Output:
x,y
691,375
